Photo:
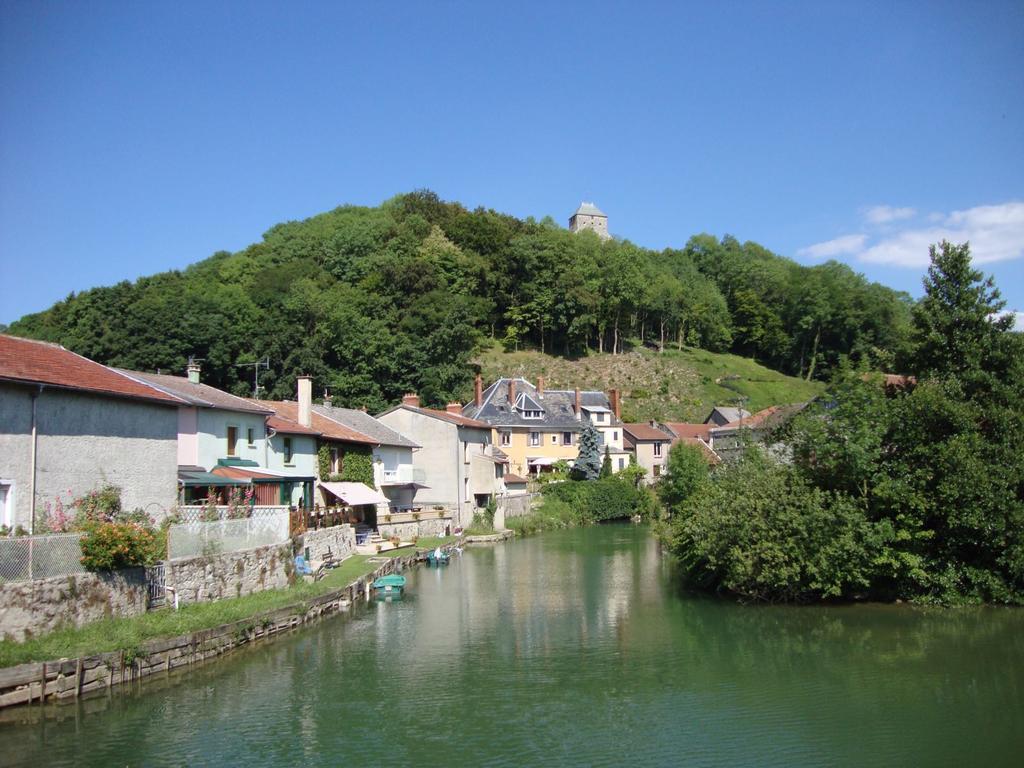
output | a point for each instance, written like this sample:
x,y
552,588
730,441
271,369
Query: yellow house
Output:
x,y
536,427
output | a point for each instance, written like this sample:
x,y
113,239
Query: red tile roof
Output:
x,y
288,427
329,428
645,432
771,414
39,362
202,395
682,429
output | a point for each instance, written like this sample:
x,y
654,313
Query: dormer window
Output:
x,y
528,408
533,414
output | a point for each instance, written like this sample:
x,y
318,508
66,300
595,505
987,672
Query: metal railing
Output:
x,y
23,558
205,539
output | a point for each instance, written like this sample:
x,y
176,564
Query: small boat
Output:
x,y
438,557
389,585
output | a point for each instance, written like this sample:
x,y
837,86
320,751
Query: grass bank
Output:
x,y
130,633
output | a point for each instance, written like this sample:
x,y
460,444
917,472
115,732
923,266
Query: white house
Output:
x,y
69,425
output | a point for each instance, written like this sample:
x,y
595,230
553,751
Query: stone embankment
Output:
x,y
66,679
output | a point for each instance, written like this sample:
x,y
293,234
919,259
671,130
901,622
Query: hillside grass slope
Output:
x,y
676,385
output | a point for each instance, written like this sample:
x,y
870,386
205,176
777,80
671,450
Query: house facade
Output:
x,y
457,455
226,441
69,426
650,444
536,427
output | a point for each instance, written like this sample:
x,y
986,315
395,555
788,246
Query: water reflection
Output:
x,y
573,648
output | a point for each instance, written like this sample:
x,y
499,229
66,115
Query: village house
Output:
x,y
721,415
538,427
351,436
650,445
226,442
728,440
69,426
697,435
466,470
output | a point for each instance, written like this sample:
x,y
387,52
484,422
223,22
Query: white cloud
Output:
x,y
886,214
1018,319
995,232
847,244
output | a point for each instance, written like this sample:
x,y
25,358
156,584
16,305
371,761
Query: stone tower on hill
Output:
x,y
589,216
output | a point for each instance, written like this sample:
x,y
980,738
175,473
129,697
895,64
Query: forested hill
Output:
x,y
374,302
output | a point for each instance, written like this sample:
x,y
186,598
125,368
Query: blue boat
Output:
x,y
392,584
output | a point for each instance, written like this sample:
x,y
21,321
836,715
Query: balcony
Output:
x,y
405,474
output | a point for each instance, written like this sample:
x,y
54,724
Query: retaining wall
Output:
x,y
339,539
31,608
232,574
425,526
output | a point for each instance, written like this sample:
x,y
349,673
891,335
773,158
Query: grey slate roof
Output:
x,y
557,406
363,422
729,414
201,395
589,209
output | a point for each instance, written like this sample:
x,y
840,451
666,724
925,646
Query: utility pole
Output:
x,y
265,365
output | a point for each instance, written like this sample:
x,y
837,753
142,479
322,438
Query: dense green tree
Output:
x,y
686,472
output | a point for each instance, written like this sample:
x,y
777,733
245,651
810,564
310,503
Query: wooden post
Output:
x,y
42,686
78,678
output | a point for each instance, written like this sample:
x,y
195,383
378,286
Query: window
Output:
x,y
7,504
657,449
615,436
287,450
535,438
533,414
232,440
506,438
554,439
499,471
567,438
250,435
599,418
335,462
657,470
622,463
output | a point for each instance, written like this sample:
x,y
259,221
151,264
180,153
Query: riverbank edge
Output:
x,y
65,680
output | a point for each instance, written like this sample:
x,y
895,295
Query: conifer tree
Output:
x,y
606,465
588,462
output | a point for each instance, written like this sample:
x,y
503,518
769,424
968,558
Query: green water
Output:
x,y
572,648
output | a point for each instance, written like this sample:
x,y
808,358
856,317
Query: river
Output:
x,y
572,648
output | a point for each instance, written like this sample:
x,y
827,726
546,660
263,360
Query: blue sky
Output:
x,y
140,137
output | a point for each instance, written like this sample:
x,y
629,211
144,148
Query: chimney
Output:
x,y
327,398
540,386
512,393
305,385
192,371
654,423
411,398
478,391
455,408
613,396
577,405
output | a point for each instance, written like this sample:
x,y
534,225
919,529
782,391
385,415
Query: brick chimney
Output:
x,y
540,386
411,398
512,393
455,408
577,405
613,397
305,386
478,391
192,371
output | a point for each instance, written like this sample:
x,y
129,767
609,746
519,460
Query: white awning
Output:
x,y
355,494
543,461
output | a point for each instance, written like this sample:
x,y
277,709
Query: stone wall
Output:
x,y
339,539
232,574
406,531
31,608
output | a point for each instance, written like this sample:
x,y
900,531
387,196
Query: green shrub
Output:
x,y
595,500
109,546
